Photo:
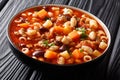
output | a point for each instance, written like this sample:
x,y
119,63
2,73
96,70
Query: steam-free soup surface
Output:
x,y
58,35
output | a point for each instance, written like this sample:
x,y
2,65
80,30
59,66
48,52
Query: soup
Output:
x,y
58,35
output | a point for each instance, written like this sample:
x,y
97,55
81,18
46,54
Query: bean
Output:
x,y
63,48
58,43
38,53
68,17
42,30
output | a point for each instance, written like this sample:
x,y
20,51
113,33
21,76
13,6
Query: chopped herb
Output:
x,y
83,30
81,50
78,29
45,42
84,35
51,44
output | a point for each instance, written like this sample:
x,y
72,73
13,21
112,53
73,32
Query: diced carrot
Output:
x,y
50,54
77,54
56,13
42,13
74,35
24,25
58,29
67,30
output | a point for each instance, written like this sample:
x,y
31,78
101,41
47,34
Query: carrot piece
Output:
x,y
42,13
77,54
74,35
24,25
50,54
58,29
67,30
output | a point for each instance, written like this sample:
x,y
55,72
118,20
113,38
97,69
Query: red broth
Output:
x,y
58,35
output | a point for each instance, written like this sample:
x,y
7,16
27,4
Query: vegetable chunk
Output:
x,y
42,13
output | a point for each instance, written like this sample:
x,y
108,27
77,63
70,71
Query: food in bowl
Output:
x,y
58,35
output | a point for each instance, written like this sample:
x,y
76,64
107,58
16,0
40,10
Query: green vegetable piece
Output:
x,y
81,50
84,35
45,42
51,44
83,30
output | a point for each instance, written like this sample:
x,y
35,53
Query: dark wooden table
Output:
x,y
109,69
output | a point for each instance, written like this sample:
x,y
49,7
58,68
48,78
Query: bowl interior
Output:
x,y
64,6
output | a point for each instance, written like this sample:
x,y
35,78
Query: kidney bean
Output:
x,y
38,53
58,43
63,48
42,30
68,17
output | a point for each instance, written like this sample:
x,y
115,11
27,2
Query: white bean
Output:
x,y
92,35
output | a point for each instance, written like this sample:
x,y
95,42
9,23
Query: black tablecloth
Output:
x,y
107,10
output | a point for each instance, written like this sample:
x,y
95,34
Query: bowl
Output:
x,y
46,66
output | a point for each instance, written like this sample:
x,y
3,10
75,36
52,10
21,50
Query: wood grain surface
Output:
x,y
109,69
